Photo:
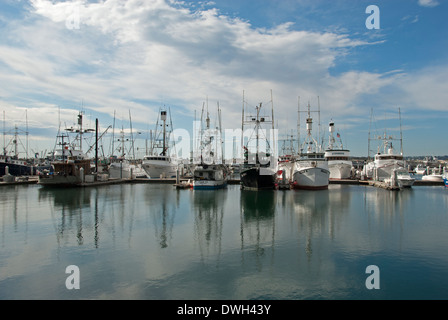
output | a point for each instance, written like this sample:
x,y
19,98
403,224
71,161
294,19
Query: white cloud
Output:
x,y
139,54
428,3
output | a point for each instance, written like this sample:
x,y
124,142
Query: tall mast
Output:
x,y
273,140
401,132
319,129
242,129
163,117
26,133
132,135
370,127
298,126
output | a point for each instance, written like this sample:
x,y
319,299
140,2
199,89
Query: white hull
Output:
x,y
340,169
382,169
313,175
155,169
433,177
313,178
125,171
405,182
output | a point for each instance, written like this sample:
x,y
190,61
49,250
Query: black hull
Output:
x,y
252,179
15,169
21,170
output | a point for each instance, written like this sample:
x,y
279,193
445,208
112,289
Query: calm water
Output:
x,y
148,241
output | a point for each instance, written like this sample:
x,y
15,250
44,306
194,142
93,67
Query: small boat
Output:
x,y
404,179
445,178
420,169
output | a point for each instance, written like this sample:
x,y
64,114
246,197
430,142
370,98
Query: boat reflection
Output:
x,y
257,225
208,207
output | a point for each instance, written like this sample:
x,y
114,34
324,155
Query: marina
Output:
x,y
152,241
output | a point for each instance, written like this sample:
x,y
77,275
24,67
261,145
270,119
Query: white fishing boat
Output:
x,y
121,168
210,173
311,167
339,162
386,160
159,164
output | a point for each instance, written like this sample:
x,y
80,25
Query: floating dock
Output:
x,y
173,181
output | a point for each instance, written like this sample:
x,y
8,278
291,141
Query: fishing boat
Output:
x,y
11,161
310,166
119,166
338,158
259,168
210,173
386,160
159,164
71,166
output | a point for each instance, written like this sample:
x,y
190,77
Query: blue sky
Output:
x,y
133,57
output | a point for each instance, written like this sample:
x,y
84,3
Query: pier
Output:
x,y
173,181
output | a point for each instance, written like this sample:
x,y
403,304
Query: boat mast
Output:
x,y
132,135
26,133
273,140
401,132
257,129
319,144
163,117
242,130
4,135
298,126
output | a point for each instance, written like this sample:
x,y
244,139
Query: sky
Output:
x,y
122,61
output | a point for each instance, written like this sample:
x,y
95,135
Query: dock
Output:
x,y
183,181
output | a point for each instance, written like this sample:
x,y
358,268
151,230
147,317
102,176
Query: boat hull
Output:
x,y
258,179
59,181
340,169
311,178
433,178
155,170
405,183
209,185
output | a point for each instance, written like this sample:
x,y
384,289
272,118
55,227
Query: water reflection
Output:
x,y
162,211
208,207
257,224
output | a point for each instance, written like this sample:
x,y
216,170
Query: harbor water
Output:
x,y
152,241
